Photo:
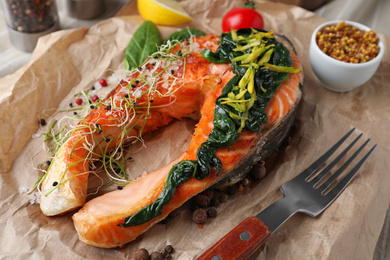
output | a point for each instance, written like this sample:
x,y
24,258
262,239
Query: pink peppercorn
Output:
x,y
103,82
79,101
94,98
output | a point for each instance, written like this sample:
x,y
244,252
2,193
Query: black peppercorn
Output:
x,y
93,88
258,172
108,139
223,198
74,113
120,187
199,216
92,107
137,81
202,200
169,249
108,107
211,213
55,183
127,96
133,86
42,122
70,105
232,190
141,254
172,72
180,53
156,256
136,104
214,202
209,193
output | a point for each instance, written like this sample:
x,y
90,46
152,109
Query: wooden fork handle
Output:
x,y
239,243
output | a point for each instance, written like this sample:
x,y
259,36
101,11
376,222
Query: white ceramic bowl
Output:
x,y
338,75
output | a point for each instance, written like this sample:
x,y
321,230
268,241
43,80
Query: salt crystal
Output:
x,y
23,189
32,198
36,135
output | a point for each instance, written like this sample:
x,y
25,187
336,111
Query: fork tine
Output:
x,y
314,166
346,180
332,178
331,165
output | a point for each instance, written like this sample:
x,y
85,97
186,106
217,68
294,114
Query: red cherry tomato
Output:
x,y
242,17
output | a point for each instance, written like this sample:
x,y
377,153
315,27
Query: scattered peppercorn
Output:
x,y
209,193
232,190
147,67
130,158
120,187
151,101
48,162
202,200
93,88
214,202
78,101
133,86
154,64
180,53
42,121
92,107
194,207
108,139
137,81
108,107
74,113
223,198
70,104
136,104
169,249
55,183
141,254
127,96
211,213
199,216
103,82
172,72
156,256
94,98
139,68
258,172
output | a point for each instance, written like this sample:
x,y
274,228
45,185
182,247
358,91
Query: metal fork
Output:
x,y
302,194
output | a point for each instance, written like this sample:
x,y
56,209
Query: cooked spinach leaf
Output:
x,y
144,43
240,107
184,34
180,173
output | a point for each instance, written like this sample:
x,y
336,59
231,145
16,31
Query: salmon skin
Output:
x,y
102,221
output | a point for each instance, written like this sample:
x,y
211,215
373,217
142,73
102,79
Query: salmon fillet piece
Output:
x,y
169,96
99,221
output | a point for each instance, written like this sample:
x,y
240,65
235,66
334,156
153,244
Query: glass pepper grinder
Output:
x,y
27,20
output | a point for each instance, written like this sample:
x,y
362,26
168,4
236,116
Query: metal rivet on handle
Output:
x,y
244,236
216,257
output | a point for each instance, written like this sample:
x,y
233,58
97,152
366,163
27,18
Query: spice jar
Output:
x,y
27,20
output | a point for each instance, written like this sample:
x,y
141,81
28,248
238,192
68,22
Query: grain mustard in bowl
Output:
x,y
344,54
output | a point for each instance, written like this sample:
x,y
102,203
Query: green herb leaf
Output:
x,y
180,173
144,43
184,34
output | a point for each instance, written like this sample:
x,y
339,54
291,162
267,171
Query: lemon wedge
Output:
x,y
164,12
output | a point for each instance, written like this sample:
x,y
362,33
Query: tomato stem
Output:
x,y
249,4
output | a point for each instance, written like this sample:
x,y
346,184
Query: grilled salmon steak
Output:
x,y
242,115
